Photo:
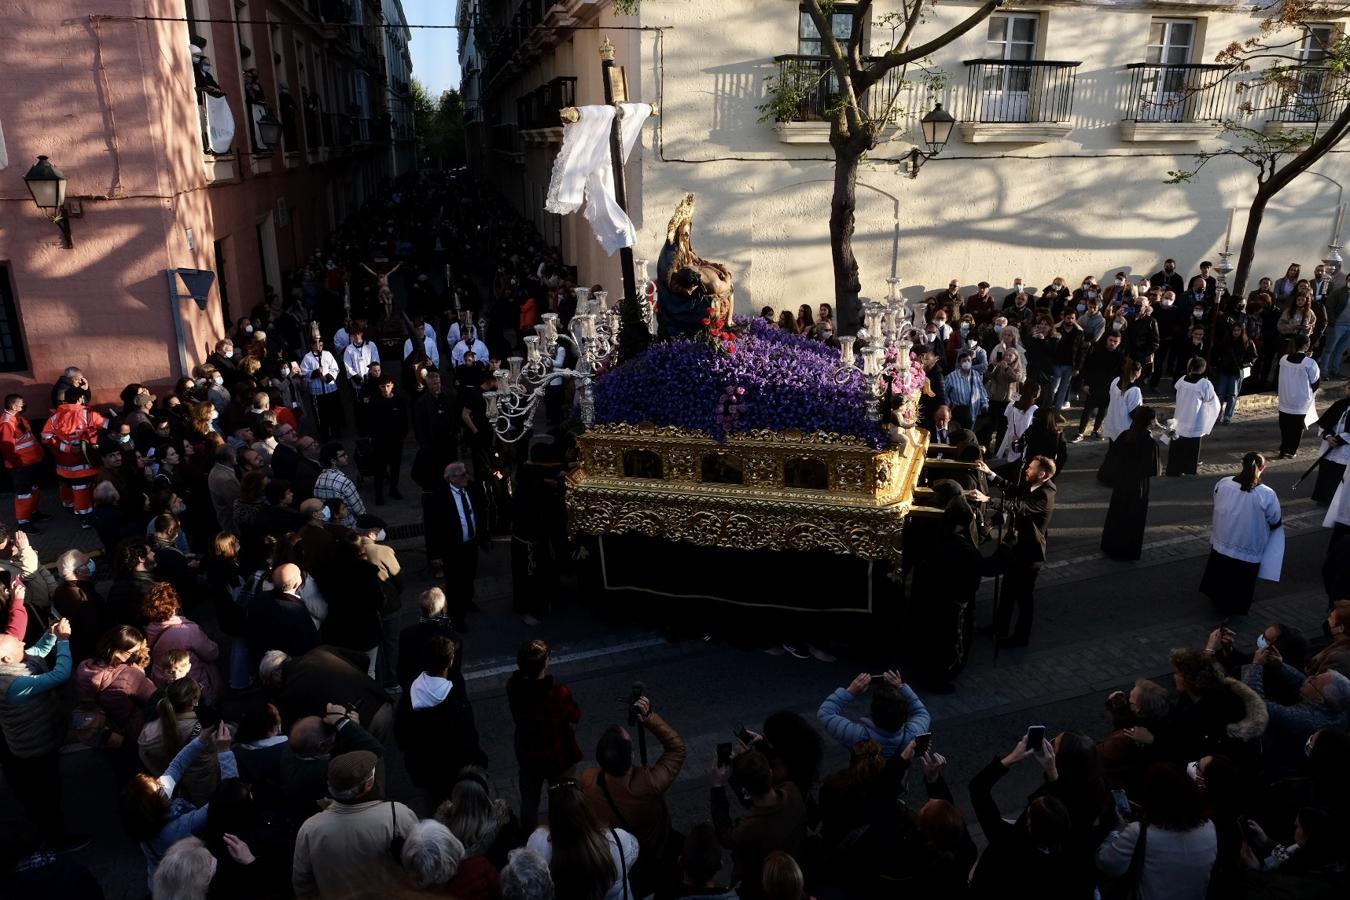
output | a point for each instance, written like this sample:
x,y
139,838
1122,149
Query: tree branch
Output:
x,y
898,57
856,35
839,63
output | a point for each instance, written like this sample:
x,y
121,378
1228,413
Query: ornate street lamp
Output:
x,y
269,130
48,187
937,128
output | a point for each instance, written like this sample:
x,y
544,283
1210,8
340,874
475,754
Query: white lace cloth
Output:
x,y
583,172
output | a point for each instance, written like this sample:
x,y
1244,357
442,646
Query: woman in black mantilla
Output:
x,y
942,594
1137,462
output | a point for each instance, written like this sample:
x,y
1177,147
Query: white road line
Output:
x,y
561,658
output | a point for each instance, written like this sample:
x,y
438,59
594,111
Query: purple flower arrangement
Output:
x,y
773,380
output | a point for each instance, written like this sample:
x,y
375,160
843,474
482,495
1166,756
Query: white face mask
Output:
x,y
967,366
248,329
998,329
215,414
218,380
1261,642
327,514
380,536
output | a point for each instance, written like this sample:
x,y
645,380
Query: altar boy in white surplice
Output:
x,y
1197,411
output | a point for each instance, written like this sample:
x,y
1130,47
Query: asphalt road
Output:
x,y
1099,625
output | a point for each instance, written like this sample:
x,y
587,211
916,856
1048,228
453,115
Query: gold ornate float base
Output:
x,y
759,491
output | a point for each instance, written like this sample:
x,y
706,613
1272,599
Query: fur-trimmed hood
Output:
x,y
1254,721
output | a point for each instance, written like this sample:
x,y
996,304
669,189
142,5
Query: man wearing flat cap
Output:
x,y
352,848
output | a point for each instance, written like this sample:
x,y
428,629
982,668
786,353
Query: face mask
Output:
x,y
124,438
189,385
1115,326
967,366
89,568
965,327
248,329
1165,303
327,514
1193,771
941,323
154,468
1120,283
1082,307
380,536
218,380
179,508
1261,642
215,414
1199,313
998,329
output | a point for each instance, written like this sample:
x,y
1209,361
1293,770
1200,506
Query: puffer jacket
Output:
x,y
119,690
35,725
178,633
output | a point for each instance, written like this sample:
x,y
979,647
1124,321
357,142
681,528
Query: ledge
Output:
x,y
292,159
1013,132
262,163
1167,131
803,132
542,135
220,169
1273,127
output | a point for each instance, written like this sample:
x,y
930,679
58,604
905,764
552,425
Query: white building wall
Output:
x,y
1085,203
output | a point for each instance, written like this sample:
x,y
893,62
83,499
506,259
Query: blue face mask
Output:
x,y
1261,642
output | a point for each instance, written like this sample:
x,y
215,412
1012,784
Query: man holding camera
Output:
x,y
633,798
1028,506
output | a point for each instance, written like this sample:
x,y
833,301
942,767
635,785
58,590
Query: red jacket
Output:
x,y
68,429
18,444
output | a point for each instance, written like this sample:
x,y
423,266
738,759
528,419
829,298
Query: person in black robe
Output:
x,y
942,604
1335,427
1137,462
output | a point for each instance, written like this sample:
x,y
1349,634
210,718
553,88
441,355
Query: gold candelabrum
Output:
x,y
593,336
761,490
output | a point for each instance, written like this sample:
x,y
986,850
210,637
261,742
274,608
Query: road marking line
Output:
x,y
559,659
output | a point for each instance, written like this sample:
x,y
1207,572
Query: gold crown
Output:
x,y
683,213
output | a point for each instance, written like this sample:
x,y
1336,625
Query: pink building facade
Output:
x,y
108,90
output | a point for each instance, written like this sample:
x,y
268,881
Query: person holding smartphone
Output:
x,y
1029,503
897,717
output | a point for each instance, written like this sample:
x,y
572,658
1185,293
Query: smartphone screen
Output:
x,y
1035,737
922,743
724,755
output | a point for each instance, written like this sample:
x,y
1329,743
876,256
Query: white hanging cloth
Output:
x,y
4,155
219,123
584,173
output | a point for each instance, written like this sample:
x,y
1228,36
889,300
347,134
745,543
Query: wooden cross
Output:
x,y
616,92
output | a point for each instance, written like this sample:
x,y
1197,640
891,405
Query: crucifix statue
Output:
x,y
590,170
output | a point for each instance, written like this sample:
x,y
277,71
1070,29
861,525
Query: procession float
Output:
x,y
727,465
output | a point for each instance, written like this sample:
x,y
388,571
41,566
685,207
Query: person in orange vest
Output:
x,y
22,453
71,434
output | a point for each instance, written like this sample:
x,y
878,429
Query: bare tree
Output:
x,y
1297,73
856,125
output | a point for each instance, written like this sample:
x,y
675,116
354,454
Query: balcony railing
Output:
x,y
1310,94
1000,90
814,78
540,107
1179,93
504,138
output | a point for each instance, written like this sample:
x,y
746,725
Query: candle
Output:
x,y
1340,220
1228,239
846,351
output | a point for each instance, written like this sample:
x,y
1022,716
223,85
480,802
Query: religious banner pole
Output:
x,y
616,92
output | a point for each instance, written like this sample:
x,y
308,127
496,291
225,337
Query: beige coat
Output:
x,y
344,850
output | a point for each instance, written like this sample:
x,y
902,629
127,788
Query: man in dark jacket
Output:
x,y
1142,339
1029,506
278,618
775,819
305,686
388,419
1169,279
412,641
932,367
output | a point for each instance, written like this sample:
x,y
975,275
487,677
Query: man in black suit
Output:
x,y
284,456
1029,506
454,522
278,618
307,468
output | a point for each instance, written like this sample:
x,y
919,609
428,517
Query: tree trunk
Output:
x,y
843,206
1238,286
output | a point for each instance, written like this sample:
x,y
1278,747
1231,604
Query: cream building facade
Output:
x,y
1070,116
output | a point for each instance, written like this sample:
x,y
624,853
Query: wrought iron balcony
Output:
x,y
814,78
1036,90
1179,93
1310,94
539,108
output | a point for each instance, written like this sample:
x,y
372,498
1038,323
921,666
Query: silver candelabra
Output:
x,y
593,336
887,330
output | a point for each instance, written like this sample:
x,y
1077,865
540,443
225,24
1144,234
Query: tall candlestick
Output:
x,y
1340,220
1228,239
